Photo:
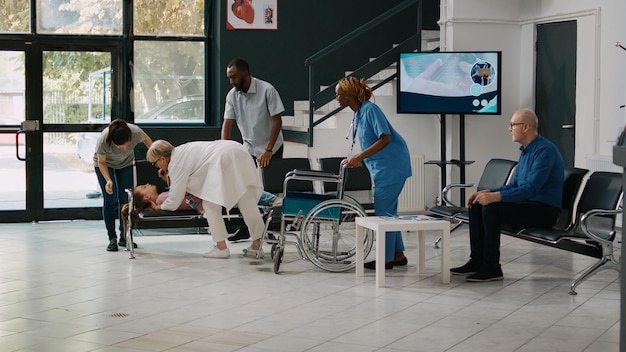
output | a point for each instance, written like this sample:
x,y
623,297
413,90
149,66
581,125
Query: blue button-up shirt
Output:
x,y
538,176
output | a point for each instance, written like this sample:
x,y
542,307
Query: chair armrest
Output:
x,y
448,188
584,226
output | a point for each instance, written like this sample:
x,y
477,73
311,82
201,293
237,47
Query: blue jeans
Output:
x,y
112,207
386,204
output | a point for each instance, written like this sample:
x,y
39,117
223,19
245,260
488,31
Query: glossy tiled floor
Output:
x,y
61,291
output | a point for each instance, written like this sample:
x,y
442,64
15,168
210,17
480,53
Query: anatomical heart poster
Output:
x,y
251,14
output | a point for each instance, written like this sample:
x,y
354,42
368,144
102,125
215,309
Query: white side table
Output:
x,y
380,225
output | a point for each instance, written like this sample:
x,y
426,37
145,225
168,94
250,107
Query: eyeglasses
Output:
x,y
513,124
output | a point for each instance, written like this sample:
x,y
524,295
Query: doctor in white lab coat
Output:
x,y
223,174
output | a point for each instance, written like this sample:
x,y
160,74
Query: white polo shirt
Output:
x,y
253,111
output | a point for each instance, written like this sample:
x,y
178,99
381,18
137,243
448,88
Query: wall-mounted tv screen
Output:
x,y
449,83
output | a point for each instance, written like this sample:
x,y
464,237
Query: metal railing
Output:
x,y
319,98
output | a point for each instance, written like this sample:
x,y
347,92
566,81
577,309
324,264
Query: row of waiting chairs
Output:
x,y
586,223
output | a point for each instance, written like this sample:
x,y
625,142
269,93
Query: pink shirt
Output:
x,y
183,206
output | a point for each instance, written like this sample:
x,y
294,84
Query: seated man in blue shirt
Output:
x,y
531,199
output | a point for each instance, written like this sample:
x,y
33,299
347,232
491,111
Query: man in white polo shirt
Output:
x,y
257,108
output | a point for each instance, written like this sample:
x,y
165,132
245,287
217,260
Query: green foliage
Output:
x,y
15,16
69,70
169,17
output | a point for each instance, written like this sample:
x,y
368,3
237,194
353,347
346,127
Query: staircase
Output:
x,y
331,137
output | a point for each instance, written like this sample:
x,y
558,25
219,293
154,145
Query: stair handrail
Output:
x,y
327,94
358,32
323,97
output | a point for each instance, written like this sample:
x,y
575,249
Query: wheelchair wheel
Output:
x,y
273,250
278,258
328,235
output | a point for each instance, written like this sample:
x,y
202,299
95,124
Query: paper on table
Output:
x,y
409,217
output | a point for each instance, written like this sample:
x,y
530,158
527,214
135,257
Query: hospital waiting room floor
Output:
x,y
61,291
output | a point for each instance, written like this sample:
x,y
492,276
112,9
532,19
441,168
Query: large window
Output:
x,y
105,17
169,81
77,87
180,18
73,66
93,17
15,15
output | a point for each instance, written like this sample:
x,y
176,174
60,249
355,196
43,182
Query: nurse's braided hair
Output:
x,y
356,88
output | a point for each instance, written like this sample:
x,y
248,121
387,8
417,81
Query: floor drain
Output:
x,y
119,315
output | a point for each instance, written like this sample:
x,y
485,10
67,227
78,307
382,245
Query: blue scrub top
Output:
x,y
391,164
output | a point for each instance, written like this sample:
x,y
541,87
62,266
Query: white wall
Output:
x,y
509,26
472,26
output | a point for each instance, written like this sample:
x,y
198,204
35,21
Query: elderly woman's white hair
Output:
x,y
158,149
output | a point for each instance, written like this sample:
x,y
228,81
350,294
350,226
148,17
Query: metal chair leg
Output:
x,y
606,262
454,227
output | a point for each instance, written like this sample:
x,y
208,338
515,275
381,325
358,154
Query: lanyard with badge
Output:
x,y
353,128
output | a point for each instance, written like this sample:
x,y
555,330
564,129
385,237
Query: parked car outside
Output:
x,y
185,109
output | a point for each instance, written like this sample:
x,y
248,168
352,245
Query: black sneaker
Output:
x,y
239,235
489,272
122,243
469,268
112,247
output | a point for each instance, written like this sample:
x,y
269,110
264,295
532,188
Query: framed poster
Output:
x,y
251,14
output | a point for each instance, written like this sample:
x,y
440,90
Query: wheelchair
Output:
x,y
323,225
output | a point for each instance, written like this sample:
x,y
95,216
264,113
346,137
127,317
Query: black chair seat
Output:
x,y
572,241
462,217
497,172
449,211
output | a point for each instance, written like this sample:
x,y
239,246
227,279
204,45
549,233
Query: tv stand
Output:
x,y
461,162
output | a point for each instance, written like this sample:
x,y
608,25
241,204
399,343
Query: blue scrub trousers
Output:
x,y
386,204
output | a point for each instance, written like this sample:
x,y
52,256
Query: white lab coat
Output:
x,y
219,172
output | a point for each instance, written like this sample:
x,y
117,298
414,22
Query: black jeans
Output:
x,y
486,222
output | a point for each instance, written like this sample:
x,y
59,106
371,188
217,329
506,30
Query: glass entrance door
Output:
x,y
12,113
71,91
76,91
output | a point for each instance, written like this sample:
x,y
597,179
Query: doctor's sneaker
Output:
x,y
217,253
112,247
253,253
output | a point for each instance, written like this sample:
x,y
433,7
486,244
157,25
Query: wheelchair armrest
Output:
x,y
448,188
584,226
312,175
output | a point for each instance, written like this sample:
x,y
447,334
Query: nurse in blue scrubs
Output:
x,y
385,154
